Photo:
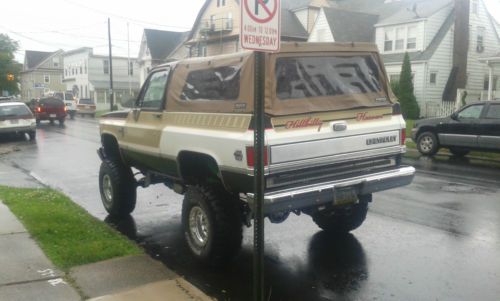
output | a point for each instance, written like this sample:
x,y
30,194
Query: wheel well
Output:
x,y
427,129
110,145
198,168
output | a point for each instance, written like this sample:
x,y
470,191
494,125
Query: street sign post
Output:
x,y
260,30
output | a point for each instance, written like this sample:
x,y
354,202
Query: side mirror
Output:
x,y
128,102
454,116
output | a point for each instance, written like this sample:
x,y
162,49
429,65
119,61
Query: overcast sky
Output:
x,y
50,25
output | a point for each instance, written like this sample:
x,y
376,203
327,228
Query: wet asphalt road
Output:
x,y
437,239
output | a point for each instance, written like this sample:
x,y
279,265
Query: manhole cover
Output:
x,y
455,187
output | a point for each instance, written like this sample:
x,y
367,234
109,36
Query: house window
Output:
x,y
46,79
389,38
105,64
131,68
81,70
223,2
394,78
218,3
474,7
229,21
486,83
86,91
433,78
480,39
411,41
85,67
400,38
55,62
72,71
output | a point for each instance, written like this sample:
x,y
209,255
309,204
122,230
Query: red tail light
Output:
x,y
403,136
65,109
38,109
251,156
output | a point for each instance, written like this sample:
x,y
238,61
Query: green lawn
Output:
x,y
68,235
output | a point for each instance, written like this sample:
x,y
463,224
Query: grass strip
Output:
x,y
67,234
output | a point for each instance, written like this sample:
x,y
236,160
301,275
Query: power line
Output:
x,y
131,20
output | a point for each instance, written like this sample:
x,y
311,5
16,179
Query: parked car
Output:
x,y
473,127
50,108
69,101
16,118
86,106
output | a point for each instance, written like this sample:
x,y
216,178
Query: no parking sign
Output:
x,y
260,25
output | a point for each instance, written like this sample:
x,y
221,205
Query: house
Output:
x,y
88,75
158,47
41,73
445,40
216,29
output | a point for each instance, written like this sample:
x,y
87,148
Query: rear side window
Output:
x,y
86,101
221,83
51,102
304,77
493,112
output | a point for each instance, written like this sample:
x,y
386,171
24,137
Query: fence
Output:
x,y
445,108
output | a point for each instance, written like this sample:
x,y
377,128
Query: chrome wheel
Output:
x,y
107,188
426,144
198,226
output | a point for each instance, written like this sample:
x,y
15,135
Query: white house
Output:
x,y
445,40
88,75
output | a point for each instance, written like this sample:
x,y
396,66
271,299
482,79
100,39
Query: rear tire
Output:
x,y
343,220
32,135
459,152
61,121
212,224
427,144
38,122
118,188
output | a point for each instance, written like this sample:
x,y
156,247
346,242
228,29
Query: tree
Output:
x,y
9,68
404,91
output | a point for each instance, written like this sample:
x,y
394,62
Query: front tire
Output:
x,y
32,135
212,224
427,144
118,188
343,220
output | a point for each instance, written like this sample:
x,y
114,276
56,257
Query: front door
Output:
x,y
144,125
489,128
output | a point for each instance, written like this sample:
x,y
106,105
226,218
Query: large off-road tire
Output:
x,y
212,224
458,151
343,220
118,188
427,143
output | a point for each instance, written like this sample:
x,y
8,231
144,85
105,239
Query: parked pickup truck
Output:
x,y
334,136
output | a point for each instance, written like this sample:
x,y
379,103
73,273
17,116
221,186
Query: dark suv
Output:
x,y
51,109
473,127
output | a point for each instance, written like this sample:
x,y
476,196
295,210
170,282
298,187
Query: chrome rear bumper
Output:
x,y
322,193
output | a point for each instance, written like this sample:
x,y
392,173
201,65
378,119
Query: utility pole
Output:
x,y
111,93
130,68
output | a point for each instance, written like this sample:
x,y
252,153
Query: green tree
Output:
x,y
404,91
9,68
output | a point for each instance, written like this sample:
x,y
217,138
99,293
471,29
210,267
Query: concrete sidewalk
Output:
x,y
27,274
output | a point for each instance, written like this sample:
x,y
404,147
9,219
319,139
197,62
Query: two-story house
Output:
x,y
88,75
217,26
158,47
445,39
41,73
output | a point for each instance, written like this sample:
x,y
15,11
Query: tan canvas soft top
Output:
x,y
244,62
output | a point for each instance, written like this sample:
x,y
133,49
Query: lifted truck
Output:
x,y
334,135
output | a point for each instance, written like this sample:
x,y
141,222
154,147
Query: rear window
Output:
x,y
86,101
305,77
14,110
51,102
221,83
69,96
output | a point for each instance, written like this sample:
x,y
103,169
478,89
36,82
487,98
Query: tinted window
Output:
x,y
59,95
494,112
153,95
14,110
86,101
69,96
301,77
471,112
51,102
221,83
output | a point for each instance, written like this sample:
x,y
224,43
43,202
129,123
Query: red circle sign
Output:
x,y
264,7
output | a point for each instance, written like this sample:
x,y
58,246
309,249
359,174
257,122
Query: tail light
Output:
x,y
251,156
38,109
65,109
403,136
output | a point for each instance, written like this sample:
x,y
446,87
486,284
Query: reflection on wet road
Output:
x,y
437,239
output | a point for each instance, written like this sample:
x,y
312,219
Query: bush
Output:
x,y
404,91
